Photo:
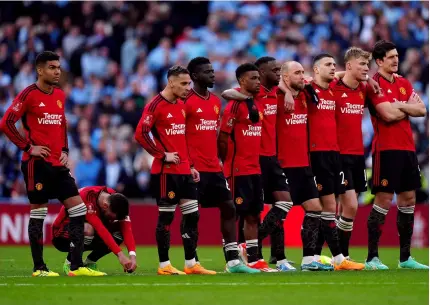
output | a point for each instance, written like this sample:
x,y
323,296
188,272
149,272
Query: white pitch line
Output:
x,y
7,260
207,284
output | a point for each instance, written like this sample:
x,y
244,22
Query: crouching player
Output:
x,y
107,225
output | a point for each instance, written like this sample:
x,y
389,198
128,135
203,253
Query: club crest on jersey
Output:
x,y
171,195
239,200
216,109
261,115
402,90
17,107
304,103
39,186
183,113
320,187
384,182
59,104
148,119
361,95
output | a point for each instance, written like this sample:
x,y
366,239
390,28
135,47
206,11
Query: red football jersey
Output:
x,y
350,104
202,119
394,135
166,122
267,102
44,122
95,218
292,133
244,142
322,121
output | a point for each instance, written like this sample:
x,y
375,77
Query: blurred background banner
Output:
x,y
115,55
14,221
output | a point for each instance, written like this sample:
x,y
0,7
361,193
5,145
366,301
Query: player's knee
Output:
x,y
314,205
383,200
406,199
88,230
227,209
252,220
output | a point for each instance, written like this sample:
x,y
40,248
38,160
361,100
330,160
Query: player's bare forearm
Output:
x,y
232,94
222,145
414,110
390,113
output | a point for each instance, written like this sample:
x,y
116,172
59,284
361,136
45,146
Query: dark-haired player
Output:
x,y
274,182
202,119
239,149
107,225
161,132
40,107
395,164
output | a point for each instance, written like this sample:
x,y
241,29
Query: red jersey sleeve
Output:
x,y
143,129
127,233
229,117
374,98
101,230
60,217
408,87
65,140
14,114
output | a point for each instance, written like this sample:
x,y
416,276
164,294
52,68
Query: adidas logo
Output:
x,y
199,110
389,91
72,245
41,104
317,91
169,116
344,95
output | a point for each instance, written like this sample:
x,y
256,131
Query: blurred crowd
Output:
x,y
115,55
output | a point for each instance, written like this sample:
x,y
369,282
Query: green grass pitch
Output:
x,y
145,287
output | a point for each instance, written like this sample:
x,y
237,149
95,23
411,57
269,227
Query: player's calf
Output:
x,y
375,222
77,212
35,235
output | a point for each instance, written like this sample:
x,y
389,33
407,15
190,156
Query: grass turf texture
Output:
x,y
145,287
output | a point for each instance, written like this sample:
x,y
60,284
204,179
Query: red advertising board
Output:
x,y
14,221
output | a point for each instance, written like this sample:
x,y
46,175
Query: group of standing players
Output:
x,y
281,140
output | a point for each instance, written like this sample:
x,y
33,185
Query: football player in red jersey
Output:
x,y
395,165
239,149
274,181
296,161
173,176
351,93
107,225
40,107
203,110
